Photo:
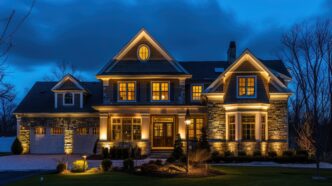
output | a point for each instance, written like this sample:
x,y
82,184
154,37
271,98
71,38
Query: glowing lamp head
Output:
x,y
84,157
187,118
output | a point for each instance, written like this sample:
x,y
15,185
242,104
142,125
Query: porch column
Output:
x,y
182,126
18,125
258,126
238,127
103,120
145,127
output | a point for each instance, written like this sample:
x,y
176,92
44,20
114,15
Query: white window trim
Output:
x,y
191,91
237,86
118,91
169,92
121,124
63,99
149,52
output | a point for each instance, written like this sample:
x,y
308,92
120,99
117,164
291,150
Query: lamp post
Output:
x,y
84,161
187,122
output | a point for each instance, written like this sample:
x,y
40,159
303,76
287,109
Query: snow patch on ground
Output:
x,y
6,143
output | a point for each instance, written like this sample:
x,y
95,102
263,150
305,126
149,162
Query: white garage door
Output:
x,y
46,143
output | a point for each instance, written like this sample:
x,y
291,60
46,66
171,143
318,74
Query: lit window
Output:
x,y
127,91
231,128
248,127
196,92
143,52
39,130
95,131
246,86
195,128
68,99
82,131
126,129
263,132
56,131
160,91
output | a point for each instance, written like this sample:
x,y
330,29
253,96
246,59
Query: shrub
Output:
x,y
79,166
106,153
128,164
288,153
171,159
203,143
17,147
303,153
257,153
177,153
215,157
242,153
95,147
149,168
272,154
228,153
158,162
106,164
61,167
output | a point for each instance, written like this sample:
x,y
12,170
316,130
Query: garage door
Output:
x,y
84,141
43,142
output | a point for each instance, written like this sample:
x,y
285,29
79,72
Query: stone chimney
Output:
x,y
231,52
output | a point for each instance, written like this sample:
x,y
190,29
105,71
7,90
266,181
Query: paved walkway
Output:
x,y
49,162
323,165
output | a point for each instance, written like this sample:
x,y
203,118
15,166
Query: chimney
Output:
x,y
231,52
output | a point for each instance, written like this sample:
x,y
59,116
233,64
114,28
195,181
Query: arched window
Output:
x,y
143,52
68,99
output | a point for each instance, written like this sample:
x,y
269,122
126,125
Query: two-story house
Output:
x,y
142,96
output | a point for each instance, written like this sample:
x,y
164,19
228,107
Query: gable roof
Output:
x,y
120,66
68,82
248,56
40,99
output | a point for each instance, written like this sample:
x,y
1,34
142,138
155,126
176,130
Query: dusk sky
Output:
x,y
89,33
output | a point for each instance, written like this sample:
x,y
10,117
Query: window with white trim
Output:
x,y
126,129
248,126
196,92
246,86
160,91
127,91
68,98
231,127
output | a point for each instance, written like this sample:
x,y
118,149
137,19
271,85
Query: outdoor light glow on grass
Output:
x,y
258,176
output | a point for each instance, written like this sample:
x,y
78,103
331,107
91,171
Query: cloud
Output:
x,y
89,33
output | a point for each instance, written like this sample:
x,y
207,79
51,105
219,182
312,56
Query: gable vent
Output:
x,y
218,69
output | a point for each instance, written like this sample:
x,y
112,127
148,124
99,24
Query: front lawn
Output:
x,y
234,176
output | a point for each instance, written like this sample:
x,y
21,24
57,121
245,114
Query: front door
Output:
x,y
163,132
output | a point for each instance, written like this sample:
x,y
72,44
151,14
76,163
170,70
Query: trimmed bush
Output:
x,y
215,157
106,164
128,164
257,153
272,154
228,153
158,162
242,153
149,168
79,166
17,147
61,167
303,153
106,153
171,159
288,153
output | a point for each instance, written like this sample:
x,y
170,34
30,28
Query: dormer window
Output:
x,y
246,87
143,52
68,99
196,92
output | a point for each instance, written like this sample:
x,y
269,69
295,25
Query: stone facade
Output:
x,y
24,137
216,121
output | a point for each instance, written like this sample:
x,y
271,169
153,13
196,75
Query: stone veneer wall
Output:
x,y
69,124
277,130
24,138
278,126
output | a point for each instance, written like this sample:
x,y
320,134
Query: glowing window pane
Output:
x,y
143,52
127,91
196,92
246,86
160,91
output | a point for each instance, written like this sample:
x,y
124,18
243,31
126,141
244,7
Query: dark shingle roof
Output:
x,y
206,69
40,99
139,68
